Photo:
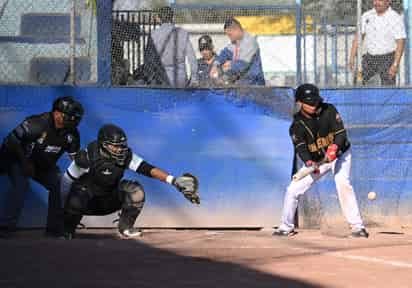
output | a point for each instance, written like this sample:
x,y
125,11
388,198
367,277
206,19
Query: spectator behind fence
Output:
x,y
205,63
383,32
120,65
240,60
166,54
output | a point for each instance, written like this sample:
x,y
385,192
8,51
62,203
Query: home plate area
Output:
x,y
207,258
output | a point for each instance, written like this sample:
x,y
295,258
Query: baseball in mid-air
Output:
x,y
372,195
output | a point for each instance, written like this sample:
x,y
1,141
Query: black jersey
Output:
x,y
312,136
39,140
102,173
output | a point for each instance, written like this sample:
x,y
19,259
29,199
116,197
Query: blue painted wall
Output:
x,y
236,142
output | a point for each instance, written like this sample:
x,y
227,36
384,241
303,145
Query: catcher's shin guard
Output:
x,y
133,202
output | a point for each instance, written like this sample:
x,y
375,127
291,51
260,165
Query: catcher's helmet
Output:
x,y
113,143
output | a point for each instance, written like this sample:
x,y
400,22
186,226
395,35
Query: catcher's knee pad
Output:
x,y
132,193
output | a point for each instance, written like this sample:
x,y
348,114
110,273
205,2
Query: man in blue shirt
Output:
x,y
240,60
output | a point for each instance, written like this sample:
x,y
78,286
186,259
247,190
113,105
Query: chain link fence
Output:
x,y
56,42
324,30
142,36
47,42
331,58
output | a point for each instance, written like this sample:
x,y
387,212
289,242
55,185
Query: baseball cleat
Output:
x,y
360,233
283,233
130,233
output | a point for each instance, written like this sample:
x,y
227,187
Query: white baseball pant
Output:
x,y
341,170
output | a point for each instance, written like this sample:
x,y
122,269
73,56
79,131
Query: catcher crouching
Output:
x,y
95,186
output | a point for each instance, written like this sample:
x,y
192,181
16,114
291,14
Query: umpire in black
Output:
x,y
32,150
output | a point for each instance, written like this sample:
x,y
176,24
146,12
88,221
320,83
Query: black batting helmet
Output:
x,y
308,94
72,110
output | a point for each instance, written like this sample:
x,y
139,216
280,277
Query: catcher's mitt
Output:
x,y
188,184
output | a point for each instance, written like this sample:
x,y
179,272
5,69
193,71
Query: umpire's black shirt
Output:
x,y
38,140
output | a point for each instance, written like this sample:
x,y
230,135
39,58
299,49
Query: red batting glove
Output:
x,y
311,163
331,152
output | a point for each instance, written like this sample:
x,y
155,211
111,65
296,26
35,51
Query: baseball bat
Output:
x,y
302,173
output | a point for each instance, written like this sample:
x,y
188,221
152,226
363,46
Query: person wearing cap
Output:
x,y
205,63
31,151
240,60
321,142
167,52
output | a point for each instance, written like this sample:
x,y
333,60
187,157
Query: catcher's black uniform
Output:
x,y
98,188
96,185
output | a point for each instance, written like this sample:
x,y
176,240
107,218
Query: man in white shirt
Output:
x,y
383,33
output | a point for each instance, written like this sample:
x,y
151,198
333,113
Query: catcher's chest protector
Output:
x,y
103,172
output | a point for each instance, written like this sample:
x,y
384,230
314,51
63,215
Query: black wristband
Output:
x,y
145,169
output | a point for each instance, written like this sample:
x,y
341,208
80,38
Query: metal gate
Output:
x,y
130,33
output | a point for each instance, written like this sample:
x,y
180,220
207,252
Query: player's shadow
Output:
x,y
114,263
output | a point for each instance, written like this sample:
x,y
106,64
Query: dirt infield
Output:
x,y
168,258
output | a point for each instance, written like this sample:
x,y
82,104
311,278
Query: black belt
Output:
x,y
381,55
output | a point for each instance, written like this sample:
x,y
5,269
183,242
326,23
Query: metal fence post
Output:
x,y
304,49
298,42
72,75
406,11
359,35
104,42
325,50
